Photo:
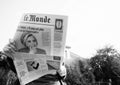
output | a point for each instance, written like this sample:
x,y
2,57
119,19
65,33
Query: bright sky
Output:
x,y
92,24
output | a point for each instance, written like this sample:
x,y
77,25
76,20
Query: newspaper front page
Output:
x,y
40,42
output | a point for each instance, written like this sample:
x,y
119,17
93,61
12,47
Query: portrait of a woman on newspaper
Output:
x,y
30,44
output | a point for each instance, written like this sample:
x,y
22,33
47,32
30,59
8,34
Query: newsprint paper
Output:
x,y
40,42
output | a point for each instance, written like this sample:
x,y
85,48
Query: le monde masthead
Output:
x,y
34,18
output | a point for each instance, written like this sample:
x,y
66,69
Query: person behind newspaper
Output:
x,y
30,44
49,79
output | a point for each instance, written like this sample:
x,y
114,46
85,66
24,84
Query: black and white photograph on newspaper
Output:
x,y
33,40
30,67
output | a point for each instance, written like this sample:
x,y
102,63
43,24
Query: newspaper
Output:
x,y
34,67
40,41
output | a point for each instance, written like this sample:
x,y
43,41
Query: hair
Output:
x,y
25,36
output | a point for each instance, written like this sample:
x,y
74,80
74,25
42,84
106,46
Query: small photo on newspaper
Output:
x,y
30,67
33,39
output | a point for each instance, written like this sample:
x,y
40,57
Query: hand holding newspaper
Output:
x,y
40,40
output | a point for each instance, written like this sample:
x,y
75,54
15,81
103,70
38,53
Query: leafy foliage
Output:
x,y
106,65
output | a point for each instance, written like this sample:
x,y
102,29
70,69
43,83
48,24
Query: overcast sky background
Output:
x,y
92,24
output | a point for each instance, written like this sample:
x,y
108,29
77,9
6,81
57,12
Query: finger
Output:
x,y
8,49
12,42
13,47
5,49
3,57
8,53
